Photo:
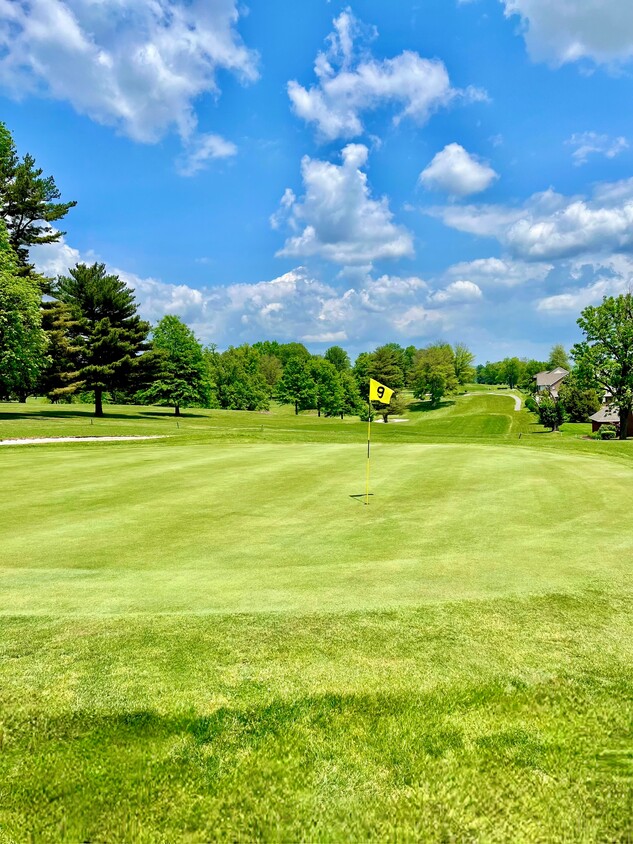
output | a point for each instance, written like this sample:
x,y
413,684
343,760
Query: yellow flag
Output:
x,y
378,392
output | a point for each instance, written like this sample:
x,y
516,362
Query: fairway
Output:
x,y
206,637
252,528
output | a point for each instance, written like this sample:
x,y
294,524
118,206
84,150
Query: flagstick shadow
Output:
x,y
360,496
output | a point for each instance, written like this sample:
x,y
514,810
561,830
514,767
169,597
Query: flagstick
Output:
x,y
368,441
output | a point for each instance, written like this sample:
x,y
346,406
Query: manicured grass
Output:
x,y
206,638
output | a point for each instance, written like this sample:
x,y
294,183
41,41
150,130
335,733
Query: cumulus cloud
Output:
x,y
461,291
352,82
137,65
552,226
591,143
294,305
568,30
608,276
337,218
500,272
457,172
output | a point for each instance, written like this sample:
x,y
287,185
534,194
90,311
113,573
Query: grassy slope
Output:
x,y
206,637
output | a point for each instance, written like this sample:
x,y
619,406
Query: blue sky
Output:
x,y
337,173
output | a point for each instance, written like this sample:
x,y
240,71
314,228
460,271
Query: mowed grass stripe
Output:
x,y
253,528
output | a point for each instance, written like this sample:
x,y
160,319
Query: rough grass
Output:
x,y
205,638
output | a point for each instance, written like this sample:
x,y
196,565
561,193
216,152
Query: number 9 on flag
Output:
x,y
378,392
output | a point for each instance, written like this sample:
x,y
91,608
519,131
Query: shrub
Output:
x,y
608,432
531,404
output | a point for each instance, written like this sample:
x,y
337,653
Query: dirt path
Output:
x,y
35,440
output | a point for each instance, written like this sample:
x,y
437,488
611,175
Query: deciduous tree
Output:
x,y
22,341
296,386
181,374
606,353
434,372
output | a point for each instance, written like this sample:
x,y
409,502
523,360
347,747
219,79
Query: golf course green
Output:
x,y
209,636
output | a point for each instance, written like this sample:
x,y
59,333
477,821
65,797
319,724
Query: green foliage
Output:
x,y
271,369
463,362
328,391
105,329
531,404
296,386
181,377
28,200
512,371
434,372
605,356
396,407
551,411
386,365
339,358
607,432
22,341
362,368
558,357
578,401
239,382
352,401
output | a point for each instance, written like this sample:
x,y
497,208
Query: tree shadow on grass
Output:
x,y
426,406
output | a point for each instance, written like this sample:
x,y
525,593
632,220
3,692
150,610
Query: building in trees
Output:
x,y
605,356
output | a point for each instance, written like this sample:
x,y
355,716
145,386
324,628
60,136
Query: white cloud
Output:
x,y
137,65
351,82
551,226
293,305
611,277
53,259
337,218
500,272
457,172
591,143
419,321
459,291
201,149
568,30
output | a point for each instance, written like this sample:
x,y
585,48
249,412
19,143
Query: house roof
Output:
x,y
607,414
548,379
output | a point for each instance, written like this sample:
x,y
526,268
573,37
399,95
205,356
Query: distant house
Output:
x,y
549,382
610,415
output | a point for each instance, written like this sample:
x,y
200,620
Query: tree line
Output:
x,y
80,336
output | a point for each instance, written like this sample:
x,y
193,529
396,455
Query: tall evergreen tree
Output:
x,y
107,330
182,377
28,200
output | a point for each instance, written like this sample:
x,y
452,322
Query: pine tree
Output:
x,y
109,334
28,200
